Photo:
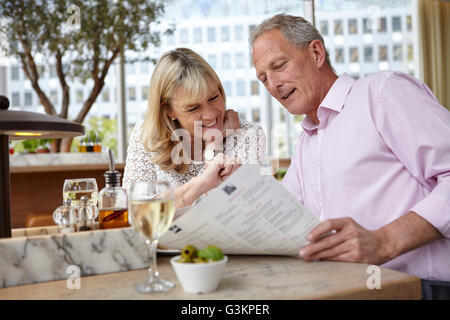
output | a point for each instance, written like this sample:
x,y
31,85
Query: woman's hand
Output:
x,y
217,170
230,122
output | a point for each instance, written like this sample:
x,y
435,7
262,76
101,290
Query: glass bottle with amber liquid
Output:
x,y
112,201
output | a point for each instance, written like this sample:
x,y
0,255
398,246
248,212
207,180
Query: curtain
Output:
x,y
434,47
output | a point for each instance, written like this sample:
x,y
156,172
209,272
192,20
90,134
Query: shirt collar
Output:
x,y
334,100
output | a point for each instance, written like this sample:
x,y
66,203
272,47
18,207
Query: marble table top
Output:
x,y
41,254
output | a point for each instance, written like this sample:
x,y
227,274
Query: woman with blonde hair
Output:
x,y
187,137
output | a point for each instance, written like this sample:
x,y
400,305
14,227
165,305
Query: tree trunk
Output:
x,y
66,144
55,145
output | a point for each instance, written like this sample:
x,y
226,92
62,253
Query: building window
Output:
x,y
53,73
212,60
251,28
226,61
339,55
40,70
338,27
354,54
183,36
170,39
238,33
197,35
410,52
382,27
254,86
130,68
28,98
54,97
396,24
105,95
367,25
144,67
224,33
240,60
382,53
79,96
227,88
397,52
352,26
409,23
15,73
323,26
211,34
15,99
256,116
144,92
240,88
132,94
368,54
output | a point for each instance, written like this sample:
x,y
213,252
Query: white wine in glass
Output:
x,y
152,207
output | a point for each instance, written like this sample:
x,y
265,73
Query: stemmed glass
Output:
x,y
76,188
152,206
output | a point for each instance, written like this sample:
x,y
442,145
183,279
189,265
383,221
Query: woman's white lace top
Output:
x,y
248,143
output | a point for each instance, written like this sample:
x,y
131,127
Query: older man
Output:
x,y
374,159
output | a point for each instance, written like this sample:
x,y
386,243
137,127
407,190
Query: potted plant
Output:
x,y
30,146
34,146
43,145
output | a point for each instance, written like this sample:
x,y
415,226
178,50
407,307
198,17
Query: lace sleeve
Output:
x,y
138,165
248,143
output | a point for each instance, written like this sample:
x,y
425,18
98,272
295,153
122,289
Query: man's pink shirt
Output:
x,y
382,148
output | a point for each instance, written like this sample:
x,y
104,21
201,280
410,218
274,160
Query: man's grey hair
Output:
x,y
297,31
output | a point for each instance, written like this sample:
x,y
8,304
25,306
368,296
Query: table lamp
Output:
x,y
23,125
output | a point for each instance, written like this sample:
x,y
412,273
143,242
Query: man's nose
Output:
x,y
273,84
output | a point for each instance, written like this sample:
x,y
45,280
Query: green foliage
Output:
x,y
84,32
103,128
31,146
281,173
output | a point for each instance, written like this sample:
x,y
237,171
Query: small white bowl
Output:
x,y
199,277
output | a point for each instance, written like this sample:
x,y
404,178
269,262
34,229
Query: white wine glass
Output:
x,y
152,206
74,189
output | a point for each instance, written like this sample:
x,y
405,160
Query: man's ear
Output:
x,y
317,51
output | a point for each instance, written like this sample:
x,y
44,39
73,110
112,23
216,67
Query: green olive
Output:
x,y
199,260
185,260
211,253
189,251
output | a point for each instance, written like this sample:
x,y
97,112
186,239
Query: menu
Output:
x,y
249,213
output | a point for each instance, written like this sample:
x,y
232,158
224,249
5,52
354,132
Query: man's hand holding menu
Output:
x,y
249,213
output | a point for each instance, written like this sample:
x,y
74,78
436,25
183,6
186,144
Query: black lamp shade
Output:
x,y
12,122
21,125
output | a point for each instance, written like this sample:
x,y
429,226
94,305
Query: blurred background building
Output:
x,y
361,37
